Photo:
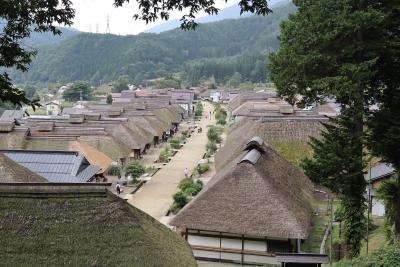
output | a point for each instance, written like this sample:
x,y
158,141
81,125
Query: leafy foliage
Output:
x,y
202,168
78,89
199,109
214,135
175,142
249,67
168,82
165,153
335,54
385,257
135,169
189,187
120,84
109,99
21,18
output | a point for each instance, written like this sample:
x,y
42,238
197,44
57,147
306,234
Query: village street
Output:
x,y
155,197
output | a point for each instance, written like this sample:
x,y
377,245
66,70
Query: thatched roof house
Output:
x,y
12,172
259,200
90,227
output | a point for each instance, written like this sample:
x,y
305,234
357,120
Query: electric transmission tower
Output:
x,y
108,24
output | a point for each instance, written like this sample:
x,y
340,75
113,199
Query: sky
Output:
x,y
91,16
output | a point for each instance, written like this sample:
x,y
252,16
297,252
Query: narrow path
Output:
x,y
155,197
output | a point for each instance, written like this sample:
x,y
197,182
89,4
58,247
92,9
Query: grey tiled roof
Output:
x,y
55,166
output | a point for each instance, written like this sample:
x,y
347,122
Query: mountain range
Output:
x,y
231,12
101,58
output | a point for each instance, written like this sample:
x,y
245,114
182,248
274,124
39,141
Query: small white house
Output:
x,y
53,107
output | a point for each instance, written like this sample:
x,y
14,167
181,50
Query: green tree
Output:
x,y
325,54
135,169
383,141
199,109
213,135
78,89
235,80
20,18
168,82
120,84
109,99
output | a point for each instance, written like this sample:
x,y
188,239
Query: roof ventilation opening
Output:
x,y
251,157
255,143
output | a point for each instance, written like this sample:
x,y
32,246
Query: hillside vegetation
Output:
x,y
101,58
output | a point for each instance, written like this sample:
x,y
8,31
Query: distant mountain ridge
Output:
x,y
232,12
101,58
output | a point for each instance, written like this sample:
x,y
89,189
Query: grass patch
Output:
x,y
377,238
292,151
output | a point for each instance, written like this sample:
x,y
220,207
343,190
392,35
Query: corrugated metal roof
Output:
x,y
379,171
55,166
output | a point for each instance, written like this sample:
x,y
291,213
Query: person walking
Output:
x,y
186,171
118,187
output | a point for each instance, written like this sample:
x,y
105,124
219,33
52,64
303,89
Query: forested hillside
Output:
x,y
101,58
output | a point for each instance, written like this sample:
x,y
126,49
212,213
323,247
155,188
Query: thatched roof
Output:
x,y
246,96
106,144
127,137
85,231
258,195
146,125
94,156
12,172
145,135
281,130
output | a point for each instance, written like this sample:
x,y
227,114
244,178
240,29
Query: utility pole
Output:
x,y
331,228
369,205
80,95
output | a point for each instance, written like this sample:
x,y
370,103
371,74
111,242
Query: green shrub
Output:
x,y
211,147
213,135
180,199
202,168
175,142
135,169
189,187
388,256
165,153
199,109
114,170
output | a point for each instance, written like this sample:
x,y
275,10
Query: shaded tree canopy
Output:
x,y
333,48
78,89
20,19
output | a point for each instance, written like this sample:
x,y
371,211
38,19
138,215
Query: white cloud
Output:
x,y
92,14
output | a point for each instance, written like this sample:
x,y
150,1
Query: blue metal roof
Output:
x,y
55,166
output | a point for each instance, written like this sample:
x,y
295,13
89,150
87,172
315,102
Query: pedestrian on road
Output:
x,y
186,171
118,187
